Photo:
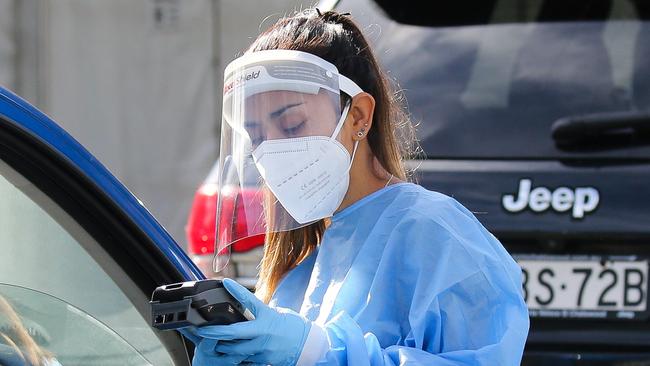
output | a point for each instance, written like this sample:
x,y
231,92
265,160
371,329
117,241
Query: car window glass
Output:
x,y
43,329
54,283
494,90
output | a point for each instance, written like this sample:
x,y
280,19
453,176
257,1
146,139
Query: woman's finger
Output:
x,y
206,345
214,359
191,335
247,347
244,296
257,359
242,330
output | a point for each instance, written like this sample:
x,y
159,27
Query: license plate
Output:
x,y
585,286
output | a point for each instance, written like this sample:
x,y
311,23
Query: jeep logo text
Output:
x,y
580,201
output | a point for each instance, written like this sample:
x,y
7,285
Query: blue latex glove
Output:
x,y
190,333
275,337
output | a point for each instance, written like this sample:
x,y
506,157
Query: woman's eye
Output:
x,y
294,130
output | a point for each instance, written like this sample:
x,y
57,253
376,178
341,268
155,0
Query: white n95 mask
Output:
x,y
280,164
308,175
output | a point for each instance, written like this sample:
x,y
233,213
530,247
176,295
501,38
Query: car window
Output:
x,y
62,298
44,329
494,88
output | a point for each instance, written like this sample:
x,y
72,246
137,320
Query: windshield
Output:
x,y
494,90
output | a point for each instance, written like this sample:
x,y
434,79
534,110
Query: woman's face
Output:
x,y
286,114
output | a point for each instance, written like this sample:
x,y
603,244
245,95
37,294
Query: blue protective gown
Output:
x,y
410,276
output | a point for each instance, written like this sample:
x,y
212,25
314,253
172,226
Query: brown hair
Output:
x,y
337,39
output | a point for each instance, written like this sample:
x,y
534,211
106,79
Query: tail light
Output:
x,y
200,229
201,225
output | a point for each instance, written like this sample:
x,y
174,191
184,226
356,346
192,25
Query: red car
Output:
x,y
245,254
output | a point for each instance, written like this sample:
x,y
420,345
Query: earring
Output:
x,y
363,130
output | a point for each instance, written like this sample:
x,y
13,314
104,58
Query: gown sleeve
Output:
x,y
474,315
475,328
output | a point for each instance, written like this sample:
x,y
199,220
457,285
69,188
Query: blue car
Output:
x,y
79,255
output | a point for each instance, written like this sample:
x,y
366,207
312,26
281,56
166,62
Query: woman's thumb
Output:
x,y
243,295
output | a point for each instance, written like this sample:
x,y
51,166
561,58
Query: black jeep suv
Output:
x,y
535,114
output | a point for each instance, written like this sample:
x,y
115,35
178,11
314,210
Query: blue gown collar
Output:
x,y
353,207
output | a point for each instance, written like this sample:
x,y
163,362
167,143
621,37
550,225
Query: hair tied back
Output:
x,y
331,15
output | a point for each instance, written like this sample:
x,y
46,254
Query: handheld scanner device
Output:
x,y
195,303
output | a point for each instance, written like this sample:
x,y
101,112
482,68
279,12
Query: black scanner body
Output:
x,y
195,303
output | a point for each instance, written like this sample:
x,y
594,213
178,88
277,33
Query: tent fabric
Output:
x,y
134,81
137,82
7,47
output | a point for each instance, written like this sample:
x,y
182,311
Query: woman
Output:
x,y
360,267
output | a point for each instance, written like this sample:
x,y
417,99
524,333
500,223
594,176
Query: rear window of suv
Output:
x,y
489,81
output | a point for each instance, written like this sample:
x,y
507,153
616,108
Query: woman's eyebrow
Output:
x,y
279,112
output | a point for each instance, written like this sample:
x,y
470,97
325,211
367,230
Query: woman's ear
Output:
x,y
360,116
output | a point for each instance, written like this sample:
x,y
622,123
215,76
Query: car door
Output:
x,y
79,255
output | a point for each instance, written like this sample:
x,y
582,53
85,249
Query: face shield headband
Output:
x,y
275,70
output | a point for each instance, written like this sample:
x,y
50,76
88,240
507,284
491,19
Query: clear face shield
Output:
x,y
280,161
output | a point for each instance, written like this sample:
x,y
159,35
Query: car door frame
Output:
x,y
37,148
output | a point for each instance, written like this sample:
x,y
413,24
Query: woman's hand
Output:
x,y
276,336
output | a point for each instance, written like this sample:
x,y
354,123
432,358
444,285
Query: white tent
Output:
x,y
7,49
136,81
